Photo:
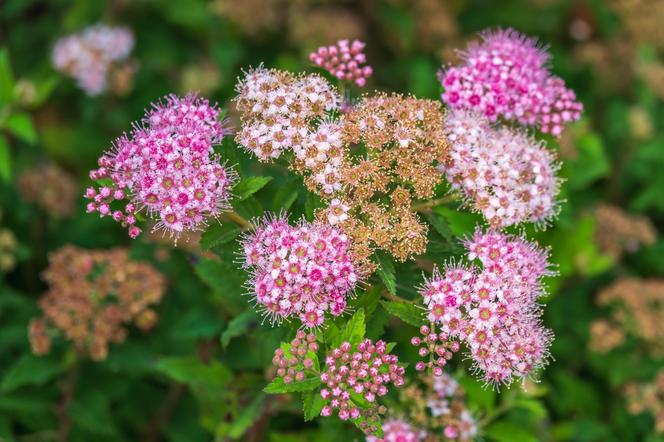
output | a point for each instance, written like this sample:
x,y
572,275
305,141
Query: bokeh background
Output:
x,y
180,381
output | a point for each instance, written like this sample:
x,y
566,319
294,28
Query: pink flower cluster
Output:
x,y
397,430
446,390
87,56
437,347
502,173
345,60
166,166
279,110
303,270
364,369
506,75
293,362
493,307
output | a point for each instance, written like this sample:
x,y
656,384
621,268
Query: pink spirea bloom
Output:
x,y
493,307
168,167
345,60
506,75
397,430
87,56
299,271
503,173
365,369
279,110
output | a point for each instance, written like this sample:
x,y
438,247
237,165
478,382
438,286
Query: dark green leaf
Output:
x,y
191,370
313,403
278,386
238,326
5,159
386,272
248,186
218,234
31,370
408,313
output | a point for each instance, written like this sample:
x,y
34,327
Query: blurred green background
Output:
x,y
602,385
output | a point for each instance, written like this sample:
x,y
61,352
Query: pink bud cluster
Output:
x,y
345,60
436,346
493,307
506,75
88,55
166,166
279,110
365,370
303,270
397,430
461,425
503,173
293,362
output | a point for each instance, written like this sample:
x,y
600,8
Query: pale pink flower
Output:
x,y
345,60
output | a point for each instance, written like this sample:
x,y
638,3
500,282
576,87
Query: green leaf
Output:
x,y
313,403
386,272
5,160
359,400
250,185
224,278
238,326
278,386
408,313
218,234
20,125
191,370
505,431
247,417
6,79
354,330
91,411
286,196
30,370
590,163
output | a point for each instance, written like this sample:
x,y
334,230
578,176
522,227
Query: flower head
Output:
x,y
364,369
88,56
506,75
397,430
168,167
345,60
299,271
502,173
493,307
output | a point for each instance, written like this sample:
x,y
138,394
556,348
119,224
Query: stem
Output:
x,y
163,415
391,297
426,205
239,220
505,406
62,411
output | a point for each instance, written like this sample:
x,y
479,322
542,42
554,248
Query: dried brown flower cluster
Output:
x,y
619,232
392,145
642,19
50,187
251,16
437,403
7,249
653,75
648,398
316,27
92,295
637,310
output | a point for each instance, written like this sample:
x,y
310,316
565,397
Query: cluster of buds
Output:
x,y
436,346
362,370
92,295
503,173
295,359
168,166
301,271
89,55
507,76
57,198
493,307
345,60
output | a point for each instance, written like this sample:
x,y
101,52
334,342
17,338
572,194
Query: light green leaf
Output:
x,y
6,79
286,196
5,159
20,125
250,185
386,272
313,403
31,370
505,431
278,386
191,370
238,326
354,330
408,313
